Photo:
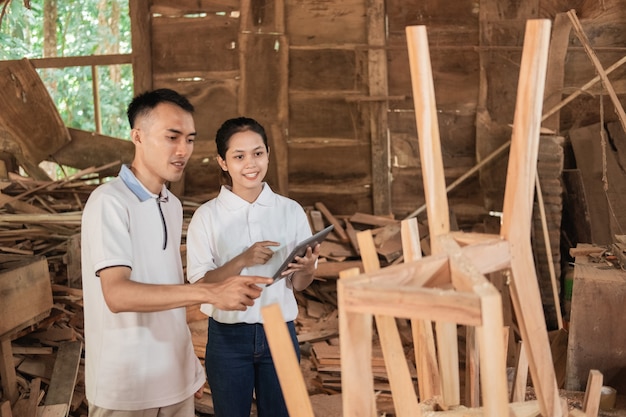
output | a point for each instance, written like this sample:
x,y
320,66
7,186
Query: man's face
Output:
x,y
164,141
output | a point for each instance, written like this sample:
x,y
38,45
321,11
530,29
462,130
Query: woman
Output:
x,y
247,229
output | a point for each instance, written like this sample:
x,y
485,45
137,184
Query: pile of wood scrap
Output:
x,y
40,228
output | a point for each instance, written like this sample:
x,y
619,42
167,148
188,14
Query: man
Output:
x,y
140,359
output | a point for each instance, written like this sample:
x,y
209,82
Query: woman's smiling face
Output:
x,y
246,161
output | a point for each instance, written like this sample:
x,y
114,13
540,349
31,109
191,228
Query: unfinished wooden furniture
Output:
x,y
449,287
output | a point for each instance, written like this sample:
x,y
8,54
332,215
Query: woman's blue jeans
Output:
x,y
239,363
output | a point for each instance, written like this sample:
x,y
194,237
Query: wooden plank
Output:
x,y
141,34
428,133
520,380
5,409
404,398
435,192
556,68
263,91
378,86
26,293
590,159
88,149
338,230
286,362
591,402
593,342
517,214
429,380
582,37
7,371
29,115
64,374
357,379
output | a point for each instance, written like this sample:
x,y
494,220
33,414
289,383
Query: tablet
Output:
x,y
300,250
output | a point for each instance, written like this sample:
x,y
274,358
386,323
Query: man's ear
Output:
x,y
135,136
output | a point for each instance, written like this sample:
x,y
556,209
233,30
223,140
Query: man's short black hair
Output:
x,y
147,101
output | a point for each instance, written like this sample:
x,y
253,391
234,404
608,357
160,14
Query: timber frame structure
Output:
x,y
449,287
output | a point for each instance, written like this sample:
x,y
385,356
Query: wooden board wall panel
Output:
x,y
142,57
318,118
263,95
317,69
263,76
347,161
26,293
402,13
499,10
210,44
312,22
202,172
193,6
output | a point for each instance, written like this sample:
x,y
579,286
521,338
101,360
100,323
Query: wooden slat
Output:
x,y
378,86
435,191
591,402
428,132
26,294
7,371
520,380
286,362
404,398
357,379
64,374
517,215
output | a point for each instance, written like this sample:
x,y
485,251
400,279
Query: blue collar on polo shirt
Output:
x,y
142,194
137,188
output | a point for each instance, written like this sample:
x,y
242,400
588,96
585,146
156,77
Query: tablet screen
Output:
x,y
300,250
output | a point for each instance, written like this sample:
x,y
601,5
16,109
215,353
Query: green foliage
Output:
x,y
88,27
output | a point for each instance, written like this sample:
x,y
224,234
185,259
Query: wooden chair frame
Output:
x,y
448,287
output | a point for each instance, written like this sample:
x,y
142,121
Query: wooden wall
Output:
x,y
330,82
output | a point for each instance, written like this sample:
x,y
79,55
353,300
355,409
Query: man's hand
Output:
x,y
236,292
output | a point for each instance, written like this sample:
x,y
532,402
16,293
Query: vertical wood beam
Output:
x,y
428,379
378,87
263,85
435,192
403,394
140,19
517,214
355,343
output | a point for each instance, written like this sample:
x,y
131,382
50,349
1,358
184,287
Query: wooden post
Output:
x,y
355,341
378,87
435,192
517,214
286,362
403,394
142,44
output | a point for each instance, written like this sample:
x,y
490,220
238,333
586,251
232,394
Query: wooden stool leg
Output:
x,y
286,362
